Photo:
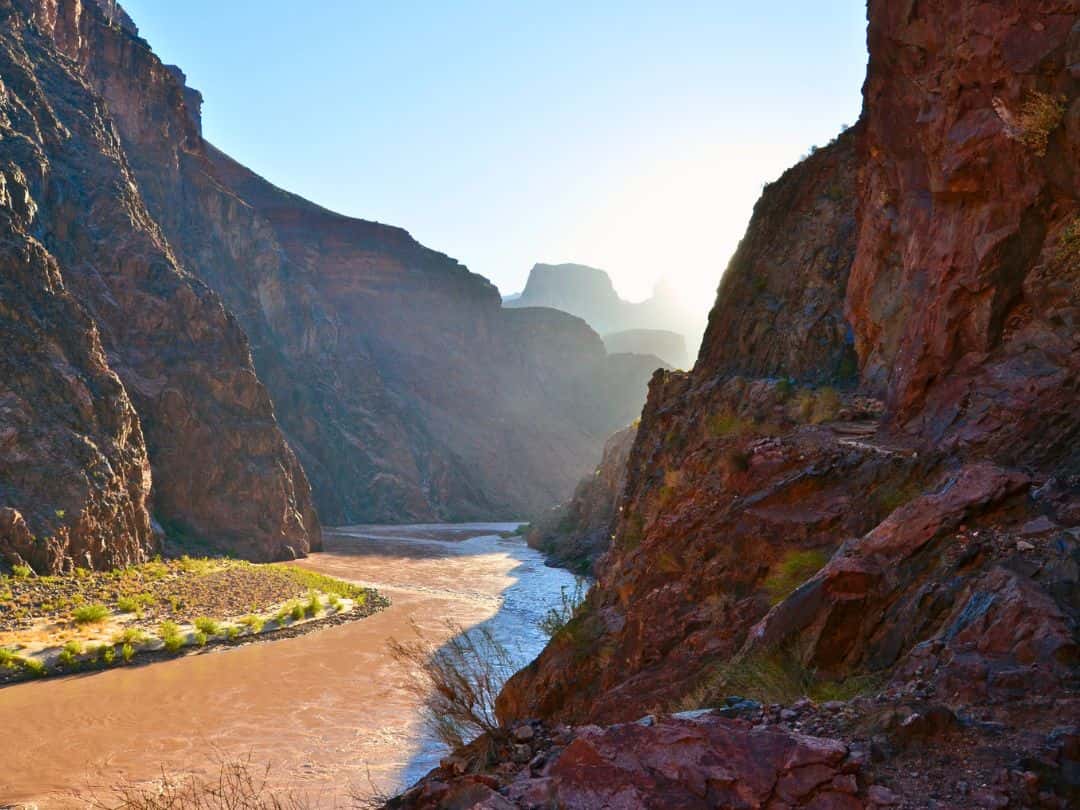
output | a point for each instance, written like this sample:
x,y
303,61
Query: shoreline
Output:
x,y
157,655
163,610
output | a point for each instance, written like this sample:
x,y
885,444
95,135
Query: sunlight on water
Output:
x,y
329,711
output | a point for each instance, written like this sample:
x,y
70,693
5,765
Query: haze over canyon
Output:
x,y
827,543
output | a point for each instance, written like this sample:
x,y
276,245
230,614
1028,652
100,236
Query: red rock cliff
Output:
x,y
917,519
222,469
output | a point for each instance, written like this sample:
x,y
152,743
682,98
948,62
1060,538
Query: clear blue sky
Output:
x,y
630,135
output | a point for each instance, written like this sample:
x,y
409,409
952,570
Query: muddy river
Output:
x,y
330,711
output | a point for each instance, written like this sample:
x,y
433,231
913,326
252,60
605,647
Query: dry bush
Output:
x,y
238,785
457,682
1040,114
559,616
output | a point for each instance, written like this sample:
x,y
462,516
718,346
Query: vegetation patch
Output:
x,y
89,619
775,677
815,406
792,571
571,600
1040,114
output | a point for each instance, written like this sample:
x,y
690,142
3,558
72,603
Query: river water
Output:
x,y
330,711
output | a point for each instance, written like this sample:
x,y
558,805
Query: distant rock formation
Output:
x,y
668,346
588,293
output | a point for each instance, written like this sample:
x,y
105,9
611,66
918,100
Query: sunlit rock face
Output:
x,y
147,350
257,335
872,469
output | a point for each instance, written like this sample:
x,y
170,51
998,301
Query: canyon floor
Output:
x,y
330,711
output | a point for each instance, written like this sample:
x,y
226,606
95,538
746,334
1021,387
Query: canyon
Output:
x,y
835,563
214,361
867,489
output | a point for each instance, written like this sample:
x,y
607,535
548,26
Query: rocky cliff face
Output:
x,y
869,480
576,534
235,314
409,391
223,470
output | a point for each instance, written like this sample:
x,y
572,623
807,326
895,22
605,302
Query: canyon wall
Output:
x,y
179,327
576,534
871,472
221,467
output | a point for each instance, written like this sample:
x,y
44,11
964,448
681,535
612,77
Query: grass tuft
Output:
x,y
792,571
90,614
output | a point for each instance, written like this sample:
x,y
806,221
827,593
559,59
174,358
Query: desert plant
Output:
x,y
727,423
772,677
296,611
1067,255
238,785
320,582
458,682
314,604
130,635
1040,114
206,625
253,623
826,405
21,571
70,654
127,652
569,601
170,635
90,614
793,570
200,638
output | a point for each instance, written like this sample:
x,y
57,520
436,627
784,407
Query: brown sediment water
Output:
x,y
329,711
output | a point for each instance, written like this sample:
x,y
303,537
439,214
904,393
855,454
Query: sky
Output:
x,y
632,136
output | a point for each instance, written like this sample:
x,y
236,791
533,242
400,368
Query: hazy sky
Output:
x,y
628,135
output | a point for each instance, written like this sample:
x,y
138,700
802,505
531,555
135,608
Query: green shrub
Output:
x,y
21,571
296,612
320,582
253,623
69,655
33,667
314,605
793,570
232,632
200,638
207,626
170,635
130,635
90,614
109,656
128,652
